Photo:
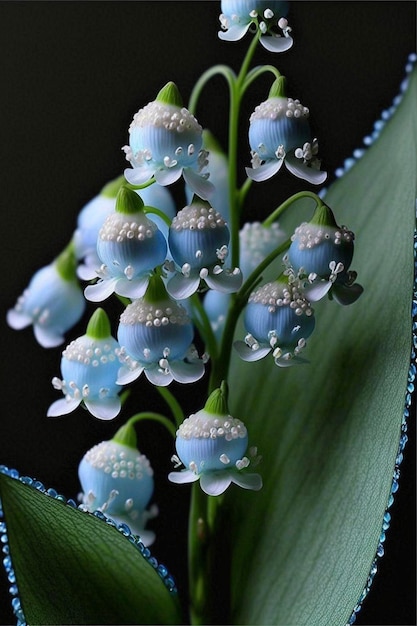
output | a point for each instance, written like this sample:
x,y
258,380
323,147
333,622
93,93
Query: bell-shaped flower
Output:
x,y
166,142
155,334
321,251
92,216
89,368
238,16
198,242
278,319
130,246
53,302
117,480
279,132
212,445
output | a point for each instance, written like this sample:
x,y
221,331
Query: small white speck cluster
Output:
x,y
310,235
120,227
277,108
197,217
276,294
163,115
88,351
204,425
115,460
159,314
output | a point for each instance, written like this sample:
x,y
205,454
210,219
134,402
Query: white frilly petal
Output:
x,y
86,272
294,360
158,377
226,281
134,288
139,175
265,171
63,407
101,290
215,483
316,291
46,337
17,320
184,372
168,176
105,408
272,43
127,375
200,185
301,170
182,477
181,287
247,354
234,33
247,481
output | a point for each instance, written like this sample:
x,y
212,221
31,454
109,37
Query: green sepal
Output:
x,y
66,263
278,88
111,189
156,290
99,325
72,568
126,435
217,401
128,201
170,95
323,216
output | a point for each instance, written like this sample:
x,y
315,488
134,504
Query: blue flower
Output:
x,y
118,480
155,335
279,133
53,302
166,142
89,368
278,319
321,251
130,246
238,15
212,445
198,241
91,218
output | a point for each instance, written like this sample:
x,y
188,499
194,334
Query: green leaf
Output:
x,y
72,568
329,431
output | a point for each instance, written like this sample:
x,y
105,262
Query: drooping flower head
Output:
x,y
117,480
166,141
130,246
322,252
89,367
198,241
53,302
155,335
279,132
268,16
279,319
92,216
212,445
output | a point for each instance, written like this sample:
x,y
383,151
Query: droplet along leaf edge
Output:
x,y
73,568
329,458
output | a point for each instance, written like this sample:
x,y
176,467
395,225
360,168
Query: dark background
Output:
x,y
72,76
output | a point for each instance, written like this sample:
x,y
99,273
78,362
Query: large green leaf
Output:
x,y
65,565
329,431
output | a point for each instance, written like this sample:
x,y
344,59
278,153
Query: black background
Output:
x,y
72,75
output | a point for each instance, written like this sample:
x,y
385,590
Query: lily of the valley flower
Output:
x,y
212,445
268,15
322,252
155,335
166,142
53,302
198,240
279,133
117,480
278,319
89,367
129,246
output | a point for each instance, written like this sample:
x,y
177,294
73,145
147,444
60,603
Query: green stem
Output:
x,y
202,322
222,70
159,213
258,71
287,203
156,417
173,404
